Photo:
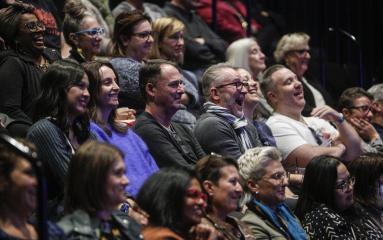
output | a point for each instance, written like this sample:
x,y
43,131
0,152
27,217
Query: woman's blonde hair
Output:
x,y
289,42
163,28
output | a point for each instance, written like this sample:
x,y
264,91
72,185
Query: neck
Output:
x,y
134,55
103,114
162,116
218,214
11,216
296,115
248,112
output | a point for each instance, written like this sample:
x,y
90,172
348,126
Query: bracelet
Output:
x,y
340,118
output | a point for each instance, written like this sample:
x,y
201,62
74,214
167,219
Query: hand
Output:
x,y
137,213
204,232
365,129
126,115
326,112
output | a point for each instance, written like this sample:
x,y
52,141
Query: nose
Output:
x,y
181,88
115,86
180,41
150,39
125,180
369,114
85,93
238,188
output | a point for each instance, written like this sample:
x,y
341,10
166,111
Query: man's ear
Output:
x,y
214,95
150,89
271,96
346,112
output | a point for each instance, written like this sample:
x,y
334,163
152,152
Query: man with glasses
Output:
x,y
356,105
222,128
171,144
302,138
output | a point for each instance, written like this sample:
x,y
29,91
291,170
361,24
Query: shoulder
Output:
x,y
43,125
78,221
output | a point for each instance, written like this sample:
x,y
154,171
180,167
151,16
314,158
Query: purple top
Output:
x,y
138,160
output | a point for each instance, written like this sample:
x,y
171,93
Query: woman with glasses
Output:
x,y
174,200
22,65
265,182
131,44
220,181
368,188
82,32
293,50
325,205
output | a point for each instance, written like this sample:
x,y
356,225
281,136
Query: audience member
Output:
x,y
356,105
131,44
171,144
377,108
169,44
252,100
175,202
18,194
231,18
202,46
246,53
152,10
368,188
22,66
82,32
220,181
302,138
63,123
326,203
222,128
95,188
293,50
103,88
265,182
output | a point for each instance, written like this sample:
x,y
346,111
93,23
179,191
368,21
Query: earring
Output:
x,y
257,192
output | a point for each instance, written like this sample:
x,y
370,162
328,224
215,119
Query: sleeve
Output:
x,y
286,136
53,148
163,151
214,136
12,82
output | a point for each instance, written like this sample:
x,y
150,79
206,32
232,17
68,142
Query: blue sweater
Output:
x,y
138,161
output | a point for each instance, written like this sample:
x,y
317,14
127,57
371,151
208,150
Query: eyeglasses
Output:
x,y
301,52
363,108
279,176
238,85
35,26
92,32
176,84
196,194
345,184
143,35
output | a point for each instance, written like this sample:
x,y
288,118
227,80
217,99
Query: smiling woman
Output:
x,y
22,65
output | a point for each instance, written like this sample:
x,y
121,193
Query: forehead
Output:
x,y
142,26
27,17
229,74
254,45
169,73
106,72
89,22
228,170
362,101
281,75
273,167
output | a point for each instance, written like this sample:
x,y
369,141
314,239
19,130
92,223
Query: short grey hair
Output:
x,y
376,91
238,53
252,165
289,42
213,74
266,83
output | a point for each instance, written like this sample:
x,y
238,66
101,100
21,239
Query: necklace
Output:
x,y
43,64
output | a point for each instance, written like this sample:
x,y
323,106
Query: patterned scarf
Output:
x,y
238,124
282,215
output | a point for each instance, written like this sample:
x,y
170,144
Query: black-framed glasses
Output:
x,y
99,31
363,108
35,26
143,35
345,184
238,85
